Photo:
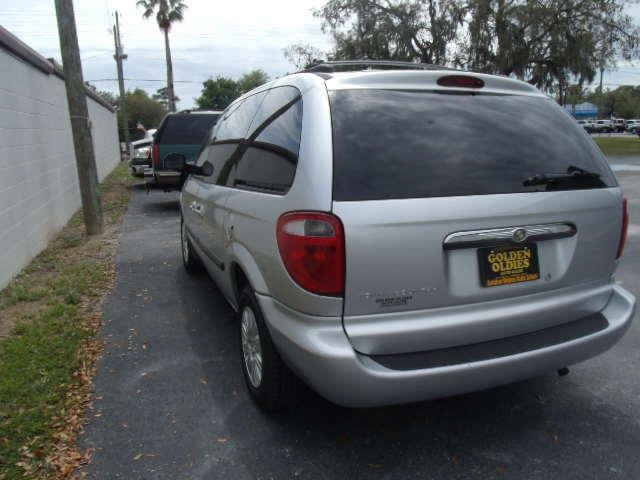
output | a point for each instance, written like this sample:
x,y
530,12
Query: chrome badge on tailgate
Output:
x,y
396,298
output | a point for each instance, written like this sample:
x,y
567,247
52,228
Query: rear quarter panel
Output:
x,y
254,215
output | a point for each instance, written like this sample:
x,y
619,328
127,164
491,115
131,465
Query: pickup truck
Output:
x,y
183,133
140,153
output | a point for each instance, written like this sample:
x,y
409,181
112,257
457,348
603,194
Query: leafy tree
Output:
x,y
302,55
548,43
575,94
411,30
623,102
106,95
167,13
251,80
218,93
162,96
626,103
617,38
141,109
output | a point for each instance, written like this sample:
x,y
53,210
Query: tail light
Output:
x,y
625,227
311,245
155,155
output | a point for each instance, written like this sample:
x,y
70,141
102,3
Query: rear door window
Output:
x,y
270,152
228,136
236,120
405,144
186,129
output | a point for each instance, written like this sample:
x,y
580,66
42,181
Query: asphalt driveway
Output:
x,y
170,401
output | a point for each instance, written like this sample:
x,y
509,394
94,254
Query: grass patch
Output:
x,y
49,318
619,146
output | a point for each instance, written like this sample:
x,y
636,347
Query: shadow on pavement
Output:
x,y
161,205
170,401
511,429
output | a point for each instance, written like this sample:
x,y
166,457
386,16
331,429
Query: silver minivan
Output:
x,y
395,235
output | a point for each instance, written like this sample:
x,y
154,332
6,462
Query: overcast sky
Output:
x,y
223,37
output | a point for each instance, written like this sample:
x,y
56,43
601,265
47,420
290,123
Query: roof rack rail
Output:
x,y
358,65
195,110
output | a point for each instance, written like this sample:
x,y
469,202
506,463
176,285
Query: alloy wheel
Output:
x,y
185,243
251,349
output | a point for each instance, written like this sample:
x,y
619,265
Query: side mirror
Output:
x,y
175,161
206,170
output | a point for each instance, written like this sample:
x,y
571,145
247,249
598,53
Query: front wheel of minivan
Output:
x,y
271,384
190,260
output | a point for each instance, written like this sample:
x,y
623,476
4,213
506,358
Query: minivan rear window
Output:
x,y
392,144
186,129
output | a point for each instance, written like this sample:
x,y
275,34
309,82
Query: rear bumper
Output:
x,y
138,170
140,161
167,179
317,349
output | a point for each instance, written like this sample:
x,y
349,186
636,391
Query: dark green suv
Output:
x,y
182,132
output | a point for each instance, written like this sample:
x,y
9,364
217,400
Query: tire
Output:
x,y
271,384
190,260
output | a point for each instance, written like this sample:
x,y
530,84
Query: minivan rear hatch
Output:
x,y
463,210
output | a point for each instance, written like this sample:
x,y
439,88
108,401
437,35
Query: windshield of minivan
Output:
x,y
186,129
407,144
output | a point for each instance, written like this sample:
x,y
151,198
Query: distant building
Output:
x,y
583,110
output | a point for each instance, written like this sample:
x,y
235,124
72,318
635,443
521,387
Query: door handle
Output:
x,y
196,207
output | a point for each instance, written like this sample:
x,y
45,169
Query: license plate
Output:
x,y
508,264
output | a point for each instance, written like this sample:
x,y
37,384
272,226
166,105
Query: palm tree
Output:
x,y
167,12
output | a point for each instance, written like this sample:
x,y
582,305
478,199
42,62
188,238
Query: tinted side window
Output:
x,y
235,121
399,144
283,131
186,129
270,153
221,157
228,136
276,99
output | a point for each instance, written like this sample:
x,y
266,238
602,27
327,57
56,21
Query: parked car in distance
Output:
x,y
632,125
619,125
140,153
587,125
183,133
603,126
400,235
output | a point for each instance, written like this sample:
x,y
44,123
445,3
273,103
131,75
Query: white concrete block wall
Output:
x,y
38,180
104,129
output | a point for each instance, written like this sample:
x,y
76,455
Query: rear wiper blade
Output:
x,y
572,173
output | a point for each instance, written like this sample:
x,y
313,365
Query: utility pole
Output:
x,y
120,56
80,124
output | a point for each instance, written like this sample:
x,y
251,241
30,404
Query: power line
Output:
x,y
94,56
251,33
142,80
